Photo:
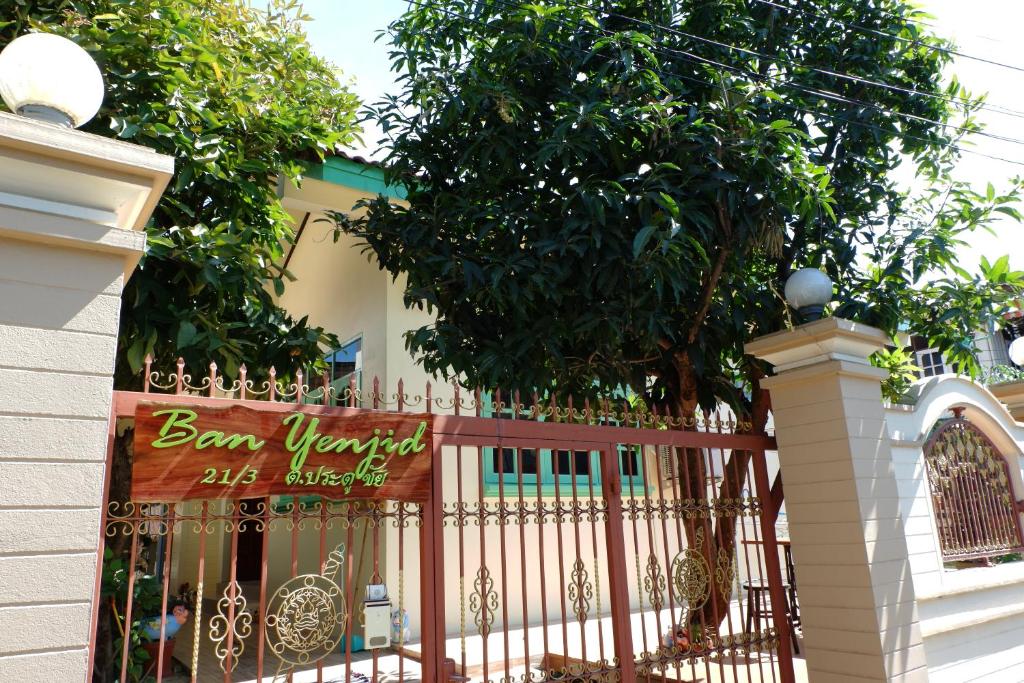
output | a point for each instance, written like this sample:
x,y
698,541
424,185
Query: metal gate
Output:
x,y
558,543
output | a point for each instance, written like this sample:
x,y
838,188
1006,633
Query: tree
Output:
x,y
236,96
613,193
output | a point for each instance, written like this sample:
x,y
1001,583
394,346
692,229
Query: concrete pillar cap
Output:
x,y
1011,394
828,339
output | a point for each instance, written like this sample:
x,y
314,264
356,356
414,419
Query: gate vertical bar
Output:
x,y
622,632
432,624
771,559
101,544
197,628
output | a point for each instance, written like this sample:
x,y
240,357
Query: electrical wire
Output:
x,y
690,56
874,31
805,110
810,67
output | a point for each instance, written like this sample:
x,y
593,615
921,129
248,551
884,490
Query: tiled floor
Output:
x,y
525,648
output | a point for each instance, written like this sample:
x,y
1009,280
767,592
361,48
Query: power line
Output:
x,y
810,67
787,105
813,91
835,96
877,32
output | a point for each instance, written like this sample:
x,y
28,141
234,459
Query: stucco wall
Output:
x,y
58,327
340,290
971,619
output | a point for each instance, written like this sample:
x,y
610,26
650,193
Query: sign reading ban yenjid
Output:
x,y
196,452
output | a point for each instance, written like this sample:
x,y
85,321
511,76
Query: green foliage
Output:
x,y
589,206
234,94
1002,374
147,600
903,372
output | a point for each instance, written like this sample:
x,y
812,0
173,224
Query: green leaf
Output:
x,y
641,239
186,334
136,355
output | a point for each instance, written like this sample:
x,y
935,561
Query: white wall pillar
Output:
x,y
856,592
72,206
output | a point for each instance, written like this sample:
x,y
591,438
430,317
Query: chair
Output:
x,y
794,603
759,605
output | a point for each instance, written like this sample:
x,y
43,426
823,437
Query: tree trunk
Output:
x,y
714,538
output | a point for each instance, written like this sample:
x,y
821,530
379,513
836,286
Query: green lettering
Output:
x,y
299,445
412,444
236,440
220,440
324,444
209,439
343,444
182,420
368,463
387,445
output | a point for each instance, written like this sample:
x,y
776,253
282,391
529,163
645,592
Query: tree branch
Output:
x,y
708,290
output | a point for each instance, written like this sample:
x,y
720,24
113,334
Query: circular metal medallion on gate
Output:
x,y
691,575
306,617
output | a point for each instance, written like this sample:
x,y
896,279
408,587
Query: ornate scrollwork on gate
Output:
x,y
654,583
483,602
725,573
580,590
306,615
691,575
234,620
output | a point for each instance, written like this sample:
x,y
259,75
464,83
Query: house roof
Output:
x,y
357,172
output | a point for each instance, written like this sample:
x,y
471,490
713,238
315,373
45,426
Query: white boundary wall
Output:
x,y
72,206
972,620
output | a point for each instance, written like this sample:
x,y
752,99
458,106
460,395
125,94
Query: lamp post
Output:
x,y
808,290
50,78
1016,351
73,207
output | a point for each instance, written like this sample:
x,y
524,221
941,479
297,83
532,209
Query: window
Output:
x,y
930,362
501,467
343,365
555,471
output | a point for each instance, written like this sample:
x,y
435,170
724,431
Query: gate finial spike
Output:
x,y
213,378
179,383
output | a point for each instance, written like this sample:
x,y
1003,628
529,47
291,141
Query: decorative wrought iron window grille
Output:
x,y
975,509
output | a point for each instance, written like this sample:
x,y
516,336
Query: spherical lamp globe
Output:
x,y
1016,351
808,290
46,77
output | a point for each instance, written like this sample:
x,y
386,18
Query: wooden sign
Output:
x,y
187,452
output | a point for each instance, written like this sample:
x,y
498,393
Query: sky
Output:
x,y
343,32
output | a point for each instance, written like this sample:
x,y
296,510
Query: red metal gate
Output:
x,y
558,544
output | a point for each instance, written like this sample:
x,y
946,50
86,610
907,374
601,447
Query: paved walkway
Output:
x,y
525,648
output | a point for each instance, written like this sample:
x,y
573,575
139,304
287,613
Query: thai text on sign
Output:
x,y
200,452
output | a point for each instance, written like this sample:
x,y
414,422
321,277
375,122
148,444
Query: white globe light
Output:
x,y
808,290
1016,351
47,77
